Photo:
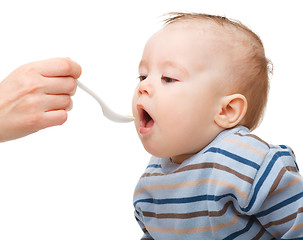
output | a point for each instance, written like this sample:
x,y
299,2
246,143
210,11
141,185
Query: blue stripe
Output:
x,y
244,230
280,205
297,166
137,213
263,177
185,200
154,166
234,157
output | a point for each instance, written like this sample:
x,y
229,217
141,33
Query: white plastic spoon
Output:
x,y
107,112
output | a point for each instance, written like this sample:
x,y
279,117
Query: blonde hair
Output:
x,y
253,69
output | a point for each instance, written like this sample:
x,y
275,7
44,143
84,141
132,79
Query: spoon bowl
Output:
x,y
107,112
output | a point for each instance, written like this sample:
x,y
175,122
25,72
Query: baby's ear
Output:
x,y
232,111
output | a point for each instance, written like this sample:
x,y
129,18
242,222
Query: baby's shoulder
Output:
x,y
246,145
253,147
245,140
242,144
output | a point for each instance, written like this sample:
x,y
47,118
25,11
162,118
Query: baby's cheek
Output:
x,y
134,103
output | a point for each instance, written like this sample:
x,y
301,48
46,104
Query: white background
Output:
x,y
76,181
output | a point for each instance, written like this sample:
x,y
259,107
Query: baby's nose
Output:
x,y
145,87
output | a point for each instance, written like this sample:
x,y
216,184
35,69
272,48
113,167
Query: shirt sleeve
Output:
x,y
280,189
146,235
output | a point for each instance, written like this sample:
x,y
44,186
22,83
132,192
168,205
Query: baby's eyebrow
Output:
x,y
176,66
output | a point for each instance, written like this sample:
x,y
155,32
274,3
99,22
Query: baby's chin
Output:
x,y
150,148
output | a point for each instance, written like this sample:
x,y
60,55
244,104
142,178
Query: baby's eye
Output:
x,y
168,79
142,78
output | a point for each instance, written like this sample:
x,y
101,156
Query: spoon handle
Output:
x,y
107,112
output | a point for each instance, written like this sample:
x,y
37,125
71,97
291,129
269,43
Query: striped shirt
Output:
x,y
238,187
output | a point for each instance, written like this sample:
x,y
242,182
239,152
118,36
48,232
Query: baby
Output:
x,y
203,88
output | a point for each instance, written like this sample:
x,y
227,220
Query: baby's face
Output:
x,y
182,75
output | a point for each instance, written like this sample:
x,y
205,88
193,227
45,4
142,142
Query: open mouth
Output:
x,y
146,121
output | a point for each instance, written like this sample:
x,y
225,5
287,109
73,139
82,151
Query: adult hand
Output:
x,y
36,96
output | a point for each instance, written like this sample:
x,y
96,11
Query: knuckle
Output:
x,y
62,117
69,67
25,67
65,66
71,85
29,83
69,105
32,85
28,69
33,121
67,102
29,102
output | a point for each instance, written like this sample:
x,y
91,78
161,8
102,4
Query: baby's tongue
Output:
x,y
150,123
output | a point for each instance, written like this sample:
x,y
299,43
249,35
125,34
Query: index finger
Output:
x,y
58,67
